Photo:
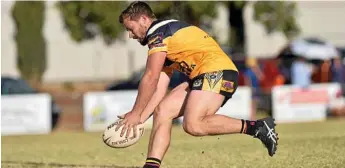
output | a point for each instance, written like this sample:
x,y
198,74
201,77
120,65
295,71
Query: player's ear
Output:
x,y
144,18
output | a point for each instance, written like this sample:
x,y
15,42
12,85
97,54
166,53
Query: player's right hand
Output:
x,y
129,122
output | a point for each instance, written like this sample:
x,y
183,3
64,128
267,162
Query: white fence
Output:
x,y
291,104
25,114
31,113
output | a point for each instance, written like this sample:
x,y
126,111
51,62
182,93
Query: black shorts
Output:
x,y
224,82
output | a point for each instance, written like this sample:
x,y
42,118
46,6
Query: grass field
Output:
x,y
314,145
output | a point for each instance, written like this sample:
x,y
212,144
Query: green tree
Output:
x,y
85,20
30,43
188,11
275,16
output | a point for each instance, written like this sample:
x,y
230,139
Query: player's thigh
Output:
x,y
209,92
200,104
171,105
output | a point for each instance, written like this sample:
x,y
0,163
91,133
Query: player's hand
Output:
x,y
129,122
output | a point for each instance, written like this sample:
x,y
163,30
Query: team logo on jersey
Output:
x,y
213,78
185,68
197,83
156,39
227,86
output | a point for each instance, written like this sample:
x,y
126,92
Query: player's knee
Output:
x,y
161,112
157,114
193,129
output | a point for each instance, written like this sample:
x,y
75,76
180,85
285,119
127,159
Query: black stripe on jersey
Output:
x,y
175,26
166,30
167,62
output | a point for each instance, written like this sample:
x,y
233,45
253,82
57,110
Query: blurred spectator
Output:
x,y
285,73
272,77
325,71
253,76
338,71
301,73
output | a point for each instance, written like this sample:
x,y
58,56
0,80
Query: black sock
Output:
x,y
152,163
248,127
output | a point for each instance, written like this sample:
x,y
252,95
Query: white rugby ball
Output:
x,y
113,139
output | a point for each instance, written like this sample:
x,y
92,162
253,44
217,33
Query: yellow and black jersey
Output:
x,y
189,49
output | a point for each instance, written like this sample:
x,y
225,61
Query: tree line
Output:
x,y
85,20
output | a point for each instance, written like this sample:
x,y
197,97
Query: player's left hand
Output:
x,y
129,122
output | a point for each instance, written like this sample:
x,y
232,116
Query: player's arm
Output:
x,y
149,82
161,90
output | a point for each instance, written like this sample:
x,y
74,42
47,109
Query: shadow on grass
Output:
x,y
41,164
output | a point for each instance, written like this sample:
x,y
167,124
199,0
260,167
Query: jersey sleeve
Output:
x,y
157,43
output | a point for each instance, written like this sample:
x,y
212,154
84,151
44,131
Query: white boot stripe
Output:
x,y
270,133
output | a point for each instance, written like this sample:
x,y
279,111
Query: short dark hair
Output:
x,y
136,9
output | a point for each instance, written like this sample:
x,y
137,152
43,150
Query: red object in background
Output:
x,y
241,79
271,73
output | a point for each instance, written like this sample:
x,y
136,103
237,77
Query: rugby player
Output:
x,y
175,45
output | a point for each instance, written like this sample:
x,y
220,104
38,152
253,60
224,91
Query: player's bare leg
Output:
x,y
200,120
168,109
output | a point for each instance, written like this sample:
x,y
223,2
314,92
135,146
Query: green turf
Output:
x,y
314,145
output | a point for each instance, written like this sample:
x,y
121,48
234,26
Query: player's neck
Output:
x,y
149,23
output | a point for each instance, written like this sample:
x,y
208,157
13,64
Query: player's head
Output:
x,y
137,18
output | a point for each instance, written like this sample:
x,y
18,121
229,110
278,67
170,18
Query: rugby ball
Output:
x,y
113,139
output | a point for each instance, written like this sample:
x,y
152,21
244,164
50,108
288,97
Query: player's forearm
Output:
x,y
153,103
147,88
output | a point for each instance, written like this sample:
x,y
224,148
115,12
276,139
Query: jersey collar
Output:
x,y
155,26
144,42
